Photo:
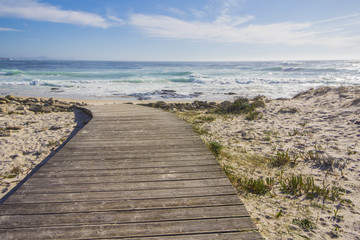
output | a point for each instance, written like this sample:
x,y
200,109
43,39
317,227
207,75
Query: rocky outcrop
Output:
x,y
196,105
20,105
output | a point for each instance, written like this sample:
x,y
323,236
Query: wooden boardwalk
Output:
x,y
131,173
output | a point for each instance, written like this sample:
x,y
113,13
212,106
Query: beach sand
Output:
x,y
319,132
322,121
30,132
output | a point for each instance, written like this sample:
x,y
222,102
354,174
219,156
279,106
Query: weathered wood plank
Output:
x,y
75,167
210,236
124,186
140,157
118,151
119,205
139,230
128,143
117,217
121,178
122,164
120,195
131,171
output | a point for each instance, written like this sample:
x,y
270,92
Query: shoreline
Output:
x,y
104,101
108,101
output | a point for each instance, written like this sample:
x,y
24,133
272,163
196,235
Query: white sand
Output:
x,y
37,136
326,120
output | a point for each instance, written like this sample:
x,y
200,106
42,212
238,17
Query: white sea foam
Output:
x,y
146,80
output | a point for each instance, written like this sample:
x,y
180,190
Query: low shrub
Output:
x,y
256,186
16,170
297,186
290,110
282,158
215,148
207,118
200,130
254,115
244,106
304,223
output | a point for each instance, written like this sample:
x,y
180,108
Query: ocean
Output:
x,y
171,80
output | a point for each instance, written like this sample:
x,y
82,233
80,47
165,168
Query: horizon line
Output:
x,y
95,60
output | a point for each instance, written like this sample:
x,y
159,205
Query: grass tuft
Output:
x,y
215,148
243,106
16,170
206,118
297,186
254,115
199,130
290,110
279,213
304,223
257,186
283,158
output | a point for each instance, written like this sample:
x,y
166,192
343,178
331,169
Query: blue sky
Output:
x,y
180,30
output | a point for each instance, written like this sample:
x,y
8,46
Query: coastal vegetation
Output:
x,y
289,159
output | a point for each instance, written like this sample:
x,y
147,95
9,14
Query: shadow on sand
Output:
x,y
82,117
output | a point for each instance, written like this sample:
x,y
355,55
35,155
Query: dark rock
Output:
x,y
50,101
195,94
15,128
11,97
4,100
160,104
39,109
14,102
225,103
168,91
35,99
20,108
143,98
54,128
3,109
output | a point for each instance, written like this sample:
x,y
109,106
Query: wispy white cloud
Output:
x,y
229,5
229,28
197,13
38,11
115,21
231,21
176,11
112,19
2,29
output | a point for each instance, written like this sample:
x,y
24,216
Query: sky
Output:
x,y
180,30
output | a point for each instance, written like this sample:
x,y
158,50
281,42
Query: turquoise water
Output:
x,y
171,80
